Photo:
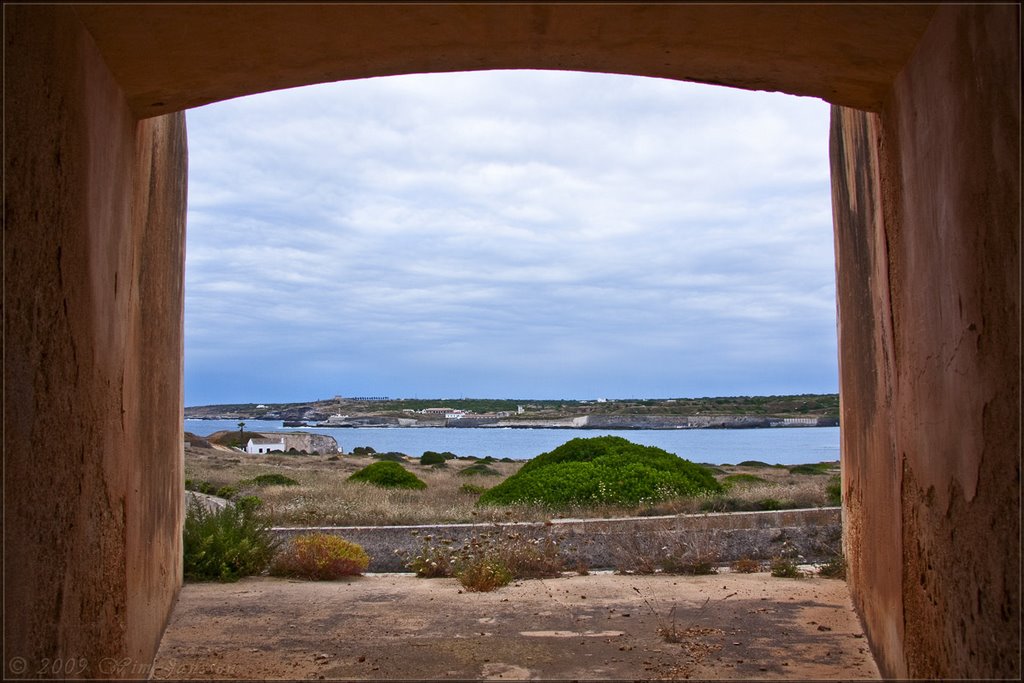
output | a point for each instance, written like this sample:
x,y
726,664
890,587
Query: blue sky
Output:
x,y
518,234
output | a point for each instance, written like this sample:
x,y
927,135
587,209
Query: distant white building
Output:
x,y
800,422
258,446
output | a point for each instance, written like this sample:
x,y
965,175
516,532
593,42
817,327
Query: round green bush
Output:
x,y
389,475
479,468
603,469
390,456
431,458
320,557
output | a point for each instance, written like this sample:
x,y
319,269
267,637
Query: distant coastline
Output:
x,y
737,412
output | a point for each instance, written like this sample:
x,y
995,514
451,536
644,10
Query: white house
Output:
x,y
257,446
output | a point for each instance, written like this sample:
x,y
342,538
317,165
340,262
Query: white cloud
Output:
x,y
449,233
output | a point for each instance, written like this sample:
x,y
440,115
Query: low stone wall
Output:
x,y
813,534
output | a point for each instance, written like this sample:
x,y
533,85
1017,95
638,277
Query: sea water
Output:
x,y
776,446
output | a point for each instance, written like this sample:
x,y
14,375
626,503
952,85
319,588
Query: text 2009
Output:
x,y
68,667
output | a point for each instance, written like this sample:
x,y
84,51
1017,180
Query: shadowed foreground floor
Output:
x,y
601,626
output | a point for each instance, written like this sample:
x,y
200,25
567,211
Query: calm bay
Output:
x,y
779,445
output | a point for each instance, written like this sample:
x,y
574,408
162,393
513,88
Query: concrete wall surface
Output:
x,y
93,256
801,535
926,198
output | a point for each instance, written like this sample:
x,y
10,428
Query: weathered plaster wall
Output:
x,y
170,57
927,215
93,258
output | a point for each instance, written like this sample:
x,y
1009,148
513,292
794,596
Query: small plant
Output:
x,y
529,558
433,562
226,544
320,557
834,490
474,489
274,479
483,574
833,568
785,568
745,565
388,475
228,492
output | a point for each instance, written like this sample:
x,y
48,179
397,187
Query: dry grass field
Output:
x,y
323,496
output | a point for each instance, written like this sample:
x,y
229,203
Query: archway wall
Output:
x,y
94,217
168,58
926,200
926,193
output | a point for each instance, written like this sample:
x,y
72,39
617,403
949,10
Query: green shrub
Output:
x,y
753,463
226,544
479,468
363,450
227,492
390,456
253,502
474,489
388,475
785,568
432,458
742,480
320,557
602,470
834,490
274,479
833,568
819,468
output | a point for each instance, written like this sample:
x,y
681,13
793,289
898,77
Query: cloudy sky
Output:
x,y
517,234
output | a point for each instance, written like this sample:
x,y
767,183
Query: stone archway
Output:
x,y
926,193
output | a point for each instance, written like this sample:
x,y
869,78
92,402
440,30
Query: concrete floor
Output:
x,y
600,626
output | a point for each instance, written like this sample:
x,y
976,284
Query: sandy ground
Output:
x,y
601,626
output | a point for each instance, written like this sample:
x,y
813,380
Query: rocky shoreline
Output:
x,y
598,422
